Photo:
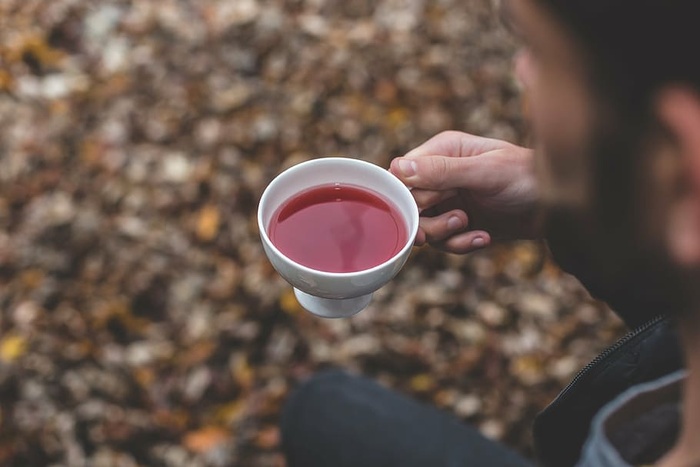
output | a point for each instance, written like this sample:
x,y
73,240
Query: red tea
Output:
x,y
338,228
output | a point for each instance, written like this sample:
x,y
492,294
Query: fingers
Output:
x,y
445,164
450,160
438,228
420,238
439,173
456,144
448,232
426,199
465,242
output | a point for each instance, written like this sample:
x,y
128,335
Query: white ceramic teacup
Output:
x,y
329,294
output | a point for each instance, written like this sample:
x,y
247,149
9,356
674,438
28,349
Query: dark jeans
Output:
x,y
339,420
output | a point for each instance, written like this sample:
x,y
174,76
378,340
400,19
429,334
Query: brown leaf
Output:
x,y
242,372
205,439
35,46
208,223
197,353
32,278
6,80
231,412
144,376
171,419
268,438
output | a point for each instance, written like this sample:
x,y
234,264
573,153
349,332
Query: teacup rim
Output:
x,y
413,229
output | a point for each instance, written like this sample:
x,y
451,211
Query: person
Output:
x,y
614,188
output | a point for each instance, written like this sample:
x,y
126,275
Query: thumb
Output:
x,y
439,172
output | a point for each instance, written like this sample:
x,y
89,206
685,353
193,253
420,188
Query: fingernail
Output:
x,y
478,242
454,223
407,167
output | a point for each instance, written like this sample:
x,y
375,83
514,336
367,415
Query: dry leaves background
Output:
x,y
141,323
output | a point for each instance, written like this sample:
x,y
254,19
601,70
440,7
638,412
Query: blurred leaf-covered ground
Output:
x,y
140,322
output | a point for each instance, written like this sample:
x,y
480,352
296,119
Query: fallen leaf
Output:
x,y
12,347
205,439
268,438
35,46
242,372
171,419
528,368
144,376
397,117
6,80
230,413
289,303
208,223
197,353
32,278
422,383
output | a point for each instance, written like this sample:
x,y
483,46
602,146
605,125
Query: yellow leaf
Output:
x,y
6,80
289,303
422,383
230,413
37,47
397,117
208,223
529,255
12,347
205,439
528,368
242,372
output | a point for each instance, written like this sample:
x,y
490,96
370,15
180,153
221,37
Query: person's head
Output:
x,y
615,94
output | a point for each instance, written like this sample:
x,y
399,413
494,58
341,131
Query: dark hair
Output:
x,y
634,47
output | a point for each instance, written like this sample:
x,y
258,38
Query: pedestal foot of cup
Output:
x,y
332,308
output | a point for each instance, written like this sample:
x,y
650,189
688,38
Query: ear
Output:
x,y
678,109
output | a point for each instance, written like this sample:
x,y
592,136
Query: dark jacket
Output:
x,y
650,351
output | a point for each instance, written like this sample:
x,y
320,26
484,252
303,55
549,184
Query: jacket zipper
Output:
x,y
603,355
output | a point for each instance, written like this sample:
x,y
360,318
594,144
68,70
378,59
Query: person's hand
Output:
x,y
470,190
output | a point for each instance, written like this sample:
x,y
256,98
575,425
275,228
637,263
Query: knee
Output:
x,y
311,395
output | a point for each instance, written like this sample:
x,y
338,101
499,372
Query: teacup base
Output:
x,y
332,308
